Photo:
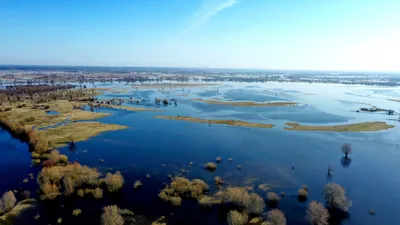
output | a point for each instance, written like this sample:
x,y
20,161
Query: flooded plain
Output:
x,y
282,158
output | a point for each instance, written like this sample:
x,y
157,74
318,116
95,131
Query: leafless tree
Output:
x,y
335,197
317,214
346,149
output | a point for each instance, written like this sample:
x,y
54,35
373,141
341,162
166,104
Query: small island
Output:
x,y
357,127
237,123
246,103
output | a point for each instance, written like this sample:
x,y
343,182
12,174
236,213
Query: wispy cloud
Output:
x,y
206,11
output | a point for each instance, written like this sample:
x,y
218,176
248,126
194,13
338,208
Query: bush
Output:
x,y
273,197
50,191
111,216
137,184
303,193
182,187
49,163
235,195
114,182
208,201
97,193
81,193
218,159
210,166
76,212
257,205
317,214
335,197
276,217
237,218
8,201
218,180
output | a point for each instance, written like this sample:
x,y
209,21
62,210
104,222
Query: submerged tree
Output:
x,y
346,149
335,197
317,214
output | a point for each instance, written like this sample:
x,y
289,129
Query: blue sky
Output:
x,y
279,34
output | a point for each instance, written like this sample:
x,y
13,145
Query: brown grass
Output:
x,y
237,123
244,103
358,127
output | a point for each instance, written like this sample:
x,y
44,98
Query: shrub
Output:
x,y
49,163
111,216
230,159
126,212
235,195
208,200
273,197
8,201
239,167
346,149
26,194
76,212
218,180
257,205
114,182
80,193
35,155
97,193
50,191
59,220
182,187
63,159
218,159
276,217
137,184
317,214
36,161
237,218
335,197
210,166
303,193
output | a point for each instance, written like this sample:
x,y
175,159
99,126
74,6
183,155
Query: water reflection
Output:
x,y
345,161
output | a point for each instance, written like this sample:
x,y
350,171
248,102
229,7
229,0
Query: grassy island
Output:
x,y
357,127
79,131
214,102
237,123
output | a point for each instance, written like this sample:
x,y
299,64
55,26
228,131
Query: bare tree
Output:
x,y
317,214
276,217
335,197
346,149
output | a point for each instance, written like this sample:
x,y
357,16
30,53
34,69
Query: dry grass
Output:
x,y
111,216
81,131
237,218
244,103
114,182
317,214
358,127
237,123
209,200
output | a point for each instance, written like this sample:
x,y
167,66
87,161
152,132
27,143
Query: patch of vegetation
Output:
x,y
226,122
114,182
273,197
214,102
276,217
335,197
137,184
317,214
76,212
183,188
111,216
237,218
358,127
210,166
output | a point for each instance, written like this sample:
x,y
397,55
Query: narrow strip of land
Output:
x,y
357,127
237,123
214,102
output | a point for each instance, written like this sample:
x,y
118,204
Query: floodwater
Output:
x,y
285,159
